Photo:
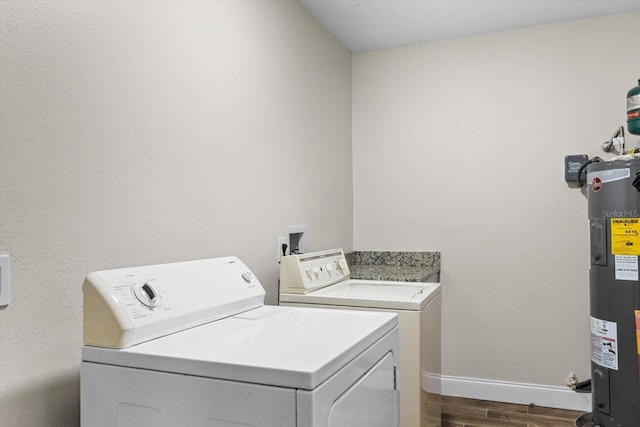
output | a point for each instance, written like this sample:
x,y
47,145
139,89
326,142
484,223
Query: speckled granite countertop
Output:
x,y
394,266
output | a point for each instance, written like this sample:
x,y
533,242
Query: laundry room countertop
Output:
x,y
394,266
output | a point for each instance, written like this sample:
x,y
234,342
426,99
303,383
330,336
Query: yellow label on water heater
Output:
x,y
638,330
625,236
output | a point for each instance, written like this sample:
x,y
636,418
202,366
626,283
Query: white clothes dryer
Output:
x,y
322,280
192,344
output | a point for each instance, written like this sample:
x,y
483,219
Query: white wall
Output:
x,y
459,147
147,132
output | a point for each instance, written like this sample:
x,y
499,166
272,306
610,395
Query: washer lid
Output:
x,y
371,293
281,346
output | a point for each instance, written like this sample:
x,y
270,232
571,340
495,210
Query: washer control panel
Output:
x,y
304,273
127,306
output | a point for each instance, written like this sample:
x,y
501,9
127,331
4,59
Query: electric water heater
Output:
x,y
613,195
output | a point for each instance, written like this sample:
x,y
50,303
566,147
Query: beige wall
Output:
x,y
459,147
147,132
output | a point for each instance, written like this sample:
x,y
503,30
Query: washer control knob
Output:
x,y
316,272
247,276
309,274
329,267
146,294
342,265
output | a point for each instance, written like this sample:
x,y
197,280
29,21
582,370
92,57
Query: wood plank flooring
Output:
x,y
458,412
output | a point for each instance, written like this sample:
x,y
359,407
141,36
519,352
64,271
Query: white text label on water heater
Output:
x,y
626,267
604,343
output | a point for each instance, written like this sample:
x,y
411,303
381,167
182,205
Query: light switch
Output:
x,y
4,280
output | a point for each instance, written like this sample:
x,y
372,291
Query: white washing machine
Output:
x,y
192,344
322,279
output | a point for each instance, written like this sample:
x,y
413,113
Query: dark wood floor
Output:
x,y
458,412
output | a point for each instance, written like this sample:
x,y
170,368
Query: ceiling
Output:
x,y
363,25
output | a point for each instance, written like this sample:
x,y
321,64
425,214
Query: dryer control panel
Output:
x,y
128,306
303,273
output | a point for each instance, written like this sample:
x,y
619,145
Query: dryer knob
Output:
x,y
146,294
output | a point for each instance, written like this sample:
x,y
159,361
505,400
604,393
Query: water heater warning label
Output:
x,y
604,343
627,267
625,236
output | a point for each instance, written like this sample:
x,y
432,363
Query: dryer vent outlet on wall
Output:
x,y
296,237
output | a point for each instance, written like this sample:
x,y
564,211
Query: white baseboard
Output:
x,y
509,392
